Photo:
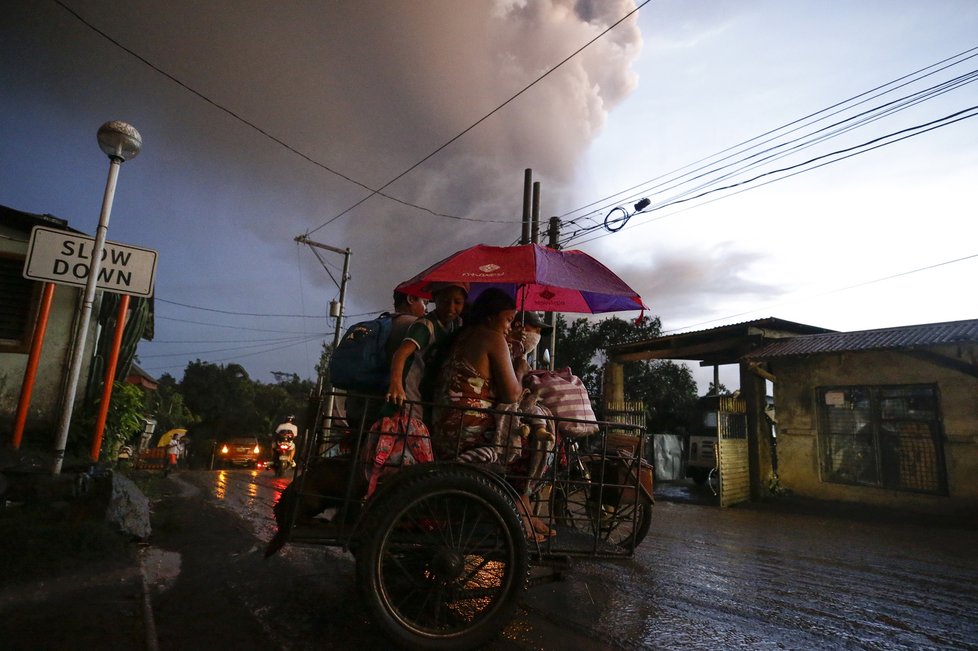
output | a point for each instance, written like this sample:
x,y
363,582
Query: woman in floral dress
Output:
x,y
479,373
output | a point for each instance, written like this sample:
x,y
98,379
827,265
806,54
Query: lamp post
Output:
x,y
120,142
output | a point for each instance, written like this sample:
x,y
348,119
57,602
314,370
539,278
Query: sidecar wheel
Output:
x,y
444,561
577,507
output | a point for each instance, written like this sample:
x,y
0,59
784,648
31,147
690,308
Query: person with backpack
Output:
x,y
363,407
423,342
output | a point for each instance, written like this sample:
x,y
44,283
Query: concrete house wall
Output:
x,y
45,405
795,394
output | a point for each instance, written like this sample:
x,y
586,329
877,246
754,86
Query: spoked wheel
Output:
x,y
443,561
625,524
713,481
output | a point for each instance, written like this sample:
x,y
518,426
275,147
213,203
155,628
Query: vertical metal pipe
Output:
x,y
103,410
551,317
33,360
527,185
535,215
78,351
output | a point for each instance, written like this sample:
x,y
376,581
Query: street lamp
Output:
x,y
120,142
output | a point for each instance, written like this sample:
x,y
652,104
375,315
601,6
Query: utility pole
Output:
x,y
337,333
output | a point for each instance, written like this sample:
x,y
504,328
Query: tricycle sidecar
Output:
x,y
444,549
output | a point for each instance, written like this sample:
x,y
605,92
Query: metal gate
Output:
x,y
733,458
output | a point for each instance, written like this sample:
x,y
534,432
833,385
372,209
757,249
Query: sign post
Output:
x,y
120,142
65,258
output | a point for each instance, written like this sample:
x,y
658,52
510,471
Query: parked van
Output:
x,y
702,440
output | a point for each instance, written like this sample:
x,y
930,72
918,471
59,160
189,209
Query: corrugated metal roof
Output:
x,y
764,322
903,337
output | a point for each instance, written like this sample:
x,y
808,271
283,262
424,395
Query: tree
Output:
x,y
667,389
123,420
718,390
167,406
288,396
222,396
228,402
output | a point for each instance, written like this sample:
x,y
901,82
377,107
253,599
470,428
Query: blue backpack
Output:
x,y
360,362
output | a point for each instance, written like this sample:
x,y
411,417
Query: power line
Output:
x,y
827,293
849,151
265,133
252,314
740,148
483,118
234,358
288,341
221,325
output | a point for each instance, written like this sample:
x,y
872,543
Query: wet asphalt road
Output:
x,y
705,578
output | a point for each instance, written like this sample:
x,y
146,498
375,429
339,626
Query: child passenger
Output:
x,y
423,342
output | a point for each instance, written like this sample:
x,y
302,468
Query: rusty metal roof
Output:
x,y
25,221
899,338
721,345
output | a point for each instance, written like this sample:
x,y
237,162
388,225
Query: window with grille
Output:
x,y
885,436
18,303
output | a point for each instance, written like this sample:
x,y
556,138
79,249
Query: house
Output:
x,y
745,441
885,417
141,378
20,304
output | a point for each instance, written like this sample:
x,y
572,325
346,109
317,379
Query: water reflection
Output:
x,y
221,485
252,489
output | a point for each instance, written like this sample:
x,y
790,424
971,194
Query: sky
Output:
x,y
745,123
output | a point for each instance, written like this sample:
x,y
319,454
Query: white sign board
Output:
x,y
64,258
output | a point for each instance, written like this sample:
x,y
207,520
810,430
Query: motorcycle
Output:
x,y
282,453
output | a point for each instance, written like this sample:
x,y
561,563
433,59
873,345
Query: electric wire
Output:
x,y
850,152
234,313
264,346
484,118
231,327
264,132
837,290
234,358
842,127
803,121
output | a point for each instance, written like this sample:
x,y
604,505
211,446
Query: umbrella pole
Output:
x,y
551,320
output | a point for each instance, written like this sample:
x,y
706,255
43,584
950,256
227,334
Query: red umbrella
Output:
x,y
539,278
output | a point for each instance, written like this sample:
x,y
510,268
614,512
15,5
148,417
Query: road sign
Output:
x,y
64,258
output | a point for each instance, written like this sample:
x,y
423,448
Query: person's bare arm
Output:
x,y
396,393
508,380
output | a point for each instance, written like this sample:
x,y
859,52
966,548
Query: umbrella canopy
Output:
x,y
165,439
539,278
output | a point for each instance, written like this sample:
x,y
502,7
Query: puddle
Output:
x,y
161,568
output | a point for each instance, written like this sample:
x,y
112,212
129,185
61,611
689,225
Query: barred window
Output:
x,y
18,304
885,436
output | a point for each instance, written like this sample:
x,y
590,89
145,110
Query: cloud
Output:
x,y
366,89
688,284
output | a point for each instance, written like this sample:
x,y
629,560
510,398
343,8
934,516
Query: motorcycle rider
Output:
x,y
287,431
